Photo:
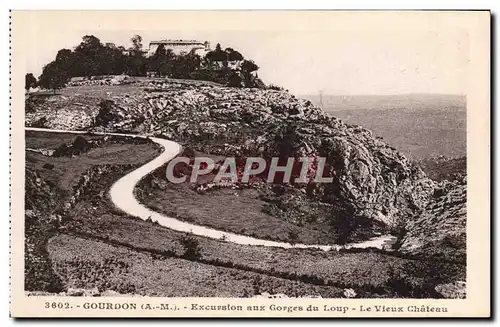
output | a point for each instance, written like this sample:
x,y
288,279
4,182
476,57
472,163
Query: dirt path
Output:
x,y
122,195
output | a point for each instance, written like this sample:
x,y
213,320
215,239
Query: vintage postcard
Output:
x,y
250,164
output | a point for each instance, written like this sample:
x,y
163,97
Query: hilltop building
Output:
x,y
180,47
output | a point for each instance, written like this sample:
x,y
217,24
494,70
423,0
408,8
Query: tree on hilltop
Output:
x,y
158,62
171,59
185,65
249,66
86,57
64,55
235,80
53,77
90,45
136,43
233,55
136,63
93,58
217,54
30,81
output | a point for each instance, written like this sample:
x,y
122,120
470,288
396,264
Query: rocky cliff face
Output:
x,y
370,178
440,230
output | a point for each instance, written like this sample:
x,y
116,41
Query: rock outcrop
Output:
x,y
370,178
62,112
440,230
442,168
456,290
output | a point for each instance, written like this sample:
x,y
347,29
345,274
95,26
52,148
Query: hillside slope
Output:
x,y
370,178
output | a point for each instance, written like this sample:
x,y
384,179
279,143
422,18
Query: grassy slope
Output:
x,y
369,273
233,210
86,263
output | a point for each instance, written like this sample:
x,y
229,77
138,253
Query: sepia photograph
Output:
x,y
207,159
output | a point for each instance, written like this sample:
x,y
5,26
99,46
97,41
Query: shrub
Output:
x,y
40,123
293,236
192,249
105,116
274,87
48,166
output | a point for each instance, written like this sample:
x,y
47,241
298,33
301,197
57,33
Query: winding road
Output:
x,y
122,195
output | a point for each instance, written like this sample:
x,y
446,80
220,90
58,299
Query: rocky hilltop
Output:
x,y
370,178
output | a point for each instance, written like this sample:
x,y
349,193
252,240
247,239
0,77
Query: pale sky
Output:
x,y
345,59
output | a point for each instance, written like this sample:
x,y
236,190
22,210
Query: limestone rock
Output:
x,y
440,230
370,178
456,290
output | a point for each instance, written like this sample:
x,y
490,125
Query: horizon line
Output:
x,y
381,94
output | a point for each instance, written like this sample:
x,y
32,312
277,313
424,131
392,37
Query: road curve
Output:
x,y
122,195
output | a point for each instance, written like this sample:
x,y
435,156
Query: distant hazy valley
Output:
x,y
419,125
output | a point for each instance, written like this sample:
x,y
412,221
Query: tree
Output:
x,y
92,58
343,220
193,61
249,66
68,61
87,57
171,59
158,62
136,63
30,81
217,54
53,77
119,60
64,55
136,43
185,65
233,55
89,45
235,80
111,60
